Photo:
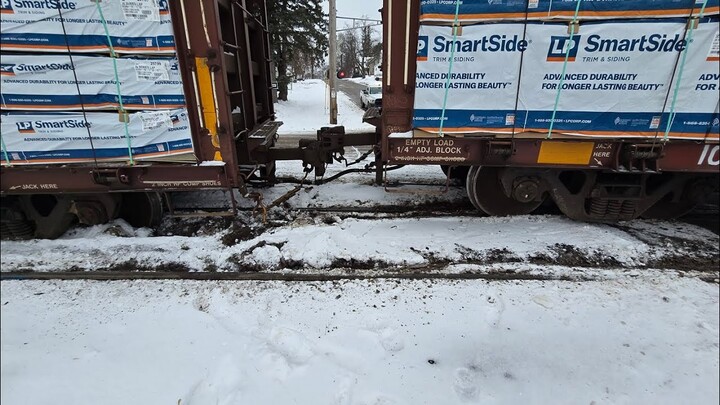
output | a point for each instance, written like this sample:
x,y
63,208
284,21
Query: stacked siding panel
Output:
x,y
60,94
619,79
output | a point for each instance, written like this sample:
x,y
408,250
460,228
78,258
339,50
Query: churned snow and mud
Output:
x,y
623,314
428,235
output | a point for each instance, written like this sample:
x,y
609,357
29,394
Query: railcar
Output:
x,y
440,106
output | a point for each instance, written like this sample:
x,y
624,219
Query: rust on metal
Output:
x,y
400,35
51,180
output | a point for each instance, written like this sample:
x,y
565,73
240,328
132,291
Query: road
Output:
x,y
350,88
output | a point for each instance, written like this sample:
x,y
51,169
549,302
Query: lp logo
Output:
x,y
422,51
6,6
25,127
559,46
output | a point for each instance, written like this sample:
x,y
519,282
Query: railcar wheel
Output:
x,y
142,209
490,194
49,212
470,186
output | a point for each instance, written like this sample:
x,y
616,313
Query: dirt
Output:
x,y
355,264
239,232
570,256
133,265
686,263
500,256
192,226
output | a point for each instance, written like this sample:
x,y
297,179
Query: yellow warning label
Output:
x,y
565,153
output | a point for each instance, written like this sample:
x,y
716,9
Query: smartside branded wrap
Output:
x,y
134,26
619,79
472,11
63,137
47,82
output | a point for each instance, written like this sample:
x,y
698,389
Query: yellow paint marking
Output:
x,y
565,153
207,101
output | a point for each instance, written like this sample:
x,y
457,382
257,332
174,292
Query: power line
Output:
x,y
358,27
359,19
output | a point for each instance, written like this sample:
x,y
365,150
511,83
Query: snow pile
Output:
x,y
308,109
367,80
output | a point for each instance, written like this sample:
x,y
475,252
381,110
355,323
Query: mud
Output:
x,y
686,263
132,265
239,232
355,264
192,226
570,256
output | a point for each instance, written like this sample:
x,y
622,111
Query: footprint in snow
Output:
x,y
388,337
466,384
345,395
223,386
391,341
291,344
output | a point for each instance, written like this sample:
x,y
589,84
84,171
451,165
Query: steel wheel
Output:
x,y
470,186
490,196
142,209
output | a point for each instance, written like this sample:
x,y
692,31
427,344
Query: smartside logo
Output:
x,y
25,127
562,45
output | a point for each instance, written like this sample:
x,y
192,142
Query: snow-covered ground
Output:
x,y
367,80
632,341
308,109
629,313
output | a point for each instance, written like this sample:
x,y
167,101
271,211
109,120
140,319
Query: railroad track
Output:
x,y
582,275
264,276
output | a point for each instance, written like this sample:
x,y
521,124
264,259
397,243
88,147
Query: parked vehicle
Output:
x,y
371,96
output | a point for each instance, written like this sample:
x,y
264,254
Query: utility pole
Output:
x,y
333,64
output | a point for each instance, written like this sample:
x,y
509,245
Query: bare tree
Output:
x,y
358,51
348,49
304,66
366,48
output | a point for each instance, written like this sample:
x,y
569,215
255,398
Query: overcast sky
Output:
x,y
356,8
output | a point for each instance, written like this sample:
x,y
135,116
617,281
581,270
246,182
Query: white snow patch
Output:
x,y
367,80
307,110
359,342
